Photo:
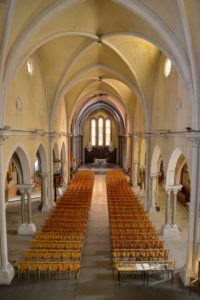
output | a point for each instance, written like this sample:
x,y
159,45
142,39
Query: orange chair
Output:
x,y
22,267
64,267
43,267
53,267
33,267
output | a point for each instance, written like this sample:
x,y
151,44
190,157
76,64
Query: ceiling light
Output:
x,y
99,40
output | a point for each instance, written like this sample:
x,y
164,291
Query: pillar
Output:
x,y
147,137
189,269
167,209
22,193
63,169
6,270
154,180
44,194
131,160
175,190
69,156
142,183
26,228
28,192
51,177
171,231
136,162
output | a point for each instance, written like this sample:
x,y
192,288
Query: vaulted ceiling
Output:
x,y
91,48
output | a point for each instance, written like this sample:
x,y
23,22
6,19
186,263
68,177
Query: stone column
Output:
x,y
170,231
136,162
166,227
63,168
28,192
167,209
22,192
69,156
131,160
124,143
154,179
175,190
147,137
51,178
142,184
81,149
189,269
44,194
6,270
26,228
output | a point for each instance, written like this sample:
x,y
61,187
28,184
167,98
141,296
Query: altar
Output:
x,y
100,162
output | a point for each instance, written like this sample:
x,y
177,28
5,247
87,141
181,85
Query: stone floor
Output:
x,y
178,248
96,280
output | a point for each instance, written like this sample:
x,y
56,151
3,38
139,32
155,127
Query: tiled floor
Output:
x,y
96,280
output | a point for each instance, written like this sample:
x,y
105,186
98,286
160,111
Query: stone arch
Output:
x,y
178,175
155,159
24,160
170,176
43,156
63,154
55,150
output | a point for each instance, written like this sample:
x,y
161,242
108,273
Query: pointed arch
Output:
x,y
43,157
170,176
63,154
56,151
20,149
155,159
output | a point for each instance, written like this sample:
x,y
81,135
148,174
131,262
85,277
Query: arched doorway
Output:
x,y
19,177
41,177
177,211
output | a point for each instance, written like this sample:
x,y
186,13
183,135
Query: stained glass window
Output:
x,y
108,132
100,131
93,132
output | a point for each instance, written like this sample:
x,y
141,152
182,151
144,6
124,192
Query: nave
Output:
x,y
96,279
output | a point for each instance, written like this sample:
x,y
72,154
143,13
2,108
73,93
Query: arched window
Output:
x,y
100,131
107,132
93,132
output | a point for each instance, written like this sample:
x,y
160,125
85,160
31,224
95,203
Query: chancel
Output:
x,y
99,149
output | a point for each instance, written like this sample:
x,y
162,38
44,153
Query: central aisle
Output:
x,y
96,265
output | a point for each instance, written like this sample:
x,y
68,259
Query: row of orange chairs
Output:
x,y
58,247
133,237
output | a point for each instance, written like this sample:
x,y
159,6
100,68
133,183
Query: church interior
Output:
x,y
99,149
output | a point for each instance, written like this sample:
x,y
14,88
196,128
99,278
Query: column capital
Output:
x,y
168,188
24,188
155,175
194,138
3,138
69,134
176,188
44,174
52,135
21,188
142,167
147,135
